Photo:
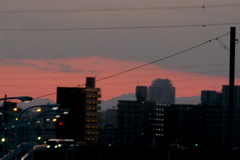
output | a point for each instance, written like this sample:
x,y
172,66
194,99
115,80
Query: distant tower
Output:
x,y
162,91
141,93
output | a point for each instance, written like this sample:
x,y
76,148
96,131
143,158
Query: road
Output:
x,y
141,153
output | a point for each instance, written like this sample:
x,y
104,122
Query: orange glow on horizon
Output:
x,y
40,78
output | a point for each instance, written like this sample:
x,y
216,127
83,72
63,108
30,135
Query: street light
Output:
x,y
25,99
32,122
53,106
18,124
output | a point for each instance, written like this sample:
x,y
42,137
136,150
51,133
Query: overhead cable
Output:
x,y
134,68
118,28
120,9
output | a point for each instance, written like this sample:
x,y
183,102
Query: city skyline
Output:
x,y
47,45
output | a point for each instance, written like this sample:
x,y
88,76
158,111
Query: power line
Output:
x,y
163,58
42,78
120,9
113,70
172,55
44,87
118,28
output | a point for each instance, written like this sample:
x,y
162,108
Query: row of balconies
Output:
x,y
92,120
92,89
92,108
92,115
91,139
92,127
91,133
93,95
93,101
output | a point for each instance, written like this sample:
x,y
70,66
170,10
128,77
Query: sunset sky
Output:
x,y
48,44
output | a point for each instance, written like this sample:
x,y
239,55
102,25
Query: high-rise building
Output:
x,y
210,97
162,91
82,122
205,124
236,111
140,121
130,122
108,126
225,95
141,93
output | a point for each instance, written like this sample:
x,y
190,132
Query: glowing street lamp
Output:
x,y
32,122
54,120
24,99
64,111
39,110
53,106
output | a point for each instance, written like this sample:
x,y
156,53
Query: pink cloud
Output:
x,y
40,78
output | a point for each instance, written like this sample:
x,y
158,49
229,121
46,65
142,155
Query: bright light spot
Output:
x,y
3,139
39,110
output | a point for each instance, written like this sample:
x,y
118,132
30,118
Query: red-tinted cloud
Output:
x,y
40,78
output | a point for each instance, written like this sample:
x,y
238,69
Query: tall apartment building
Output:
x,y
225,96
162,91
130,123
236,110
150,123
140,121
82,122
205,124
210,97
217,114
183,124
108,126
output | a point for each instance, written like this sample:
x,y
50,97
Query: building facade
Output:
x,y
82,122
130,123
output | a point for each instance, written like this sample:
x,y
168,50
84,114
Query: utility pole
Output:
x,y
231,88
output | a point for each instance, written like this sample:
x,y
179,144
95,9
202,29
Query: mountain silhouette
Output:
x,y
131,96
